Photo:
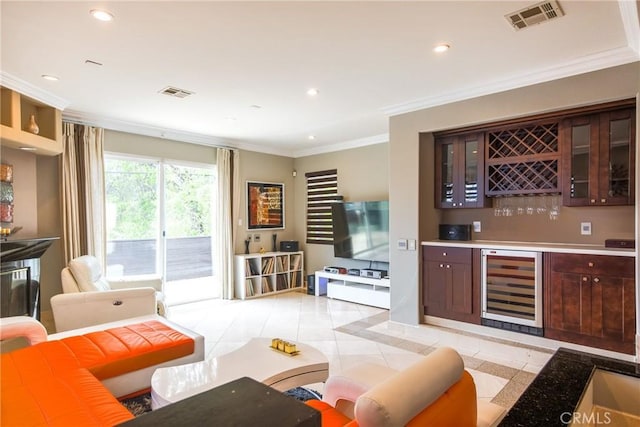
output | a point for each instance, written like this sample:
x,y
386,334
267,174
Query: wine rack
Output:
x,y
523,160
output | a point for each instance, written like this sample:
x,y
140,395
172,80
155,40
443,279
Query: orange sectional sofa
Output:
x,y
58,382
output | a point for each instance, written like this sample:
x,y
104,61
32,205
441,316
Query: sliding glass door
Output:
x,y
132,212
160,219
188,218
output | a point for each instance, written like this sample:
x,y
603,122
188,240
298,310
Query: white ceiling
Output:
x,y
368,59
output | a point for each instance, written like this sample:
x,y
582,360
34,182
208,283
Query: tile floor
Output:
x,y
351,333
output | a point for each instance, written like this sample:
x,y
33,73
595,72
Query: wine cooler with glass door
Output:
x,y
512,290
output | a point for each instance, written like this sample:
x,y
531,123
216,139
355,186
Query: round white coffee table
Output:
x,y
256,359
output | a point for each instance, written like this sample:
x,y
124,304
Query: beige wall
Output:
x,y
49,224
37,210
412,163
265,168
607,222
363,174
147,146
25,203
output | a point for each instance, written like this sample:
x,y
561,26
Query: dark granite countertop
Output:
x,y
558,387
22,248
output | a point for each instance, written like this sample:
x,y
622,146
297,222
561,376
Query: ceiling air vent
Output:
x,y
174,91
536,14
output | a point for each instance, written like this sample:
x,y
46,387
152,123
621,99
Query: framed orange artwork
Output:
x,y
265,205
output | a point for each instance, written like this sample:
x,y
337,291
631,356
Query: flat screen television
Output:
x,y
361,230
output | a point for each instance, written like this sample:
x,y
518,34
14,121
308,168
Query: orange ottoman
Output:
x,y
59,382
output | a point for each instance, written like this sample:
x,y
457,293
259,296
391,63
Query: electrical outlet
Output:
x,y
585,228
402,244
256,238
477,226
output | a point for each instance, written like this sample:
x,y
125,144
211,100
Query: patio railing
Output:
x,y
187,257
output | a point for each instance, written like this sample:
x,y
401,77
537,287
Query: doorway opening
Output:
x,y
160,218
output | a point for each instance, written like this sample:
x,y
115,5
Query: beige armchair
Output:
x,y
89,298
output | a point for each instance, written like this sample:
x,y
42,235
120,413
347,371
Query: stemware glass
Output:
x,y
497,206
530,203
542,205
508,207
555,207
520,205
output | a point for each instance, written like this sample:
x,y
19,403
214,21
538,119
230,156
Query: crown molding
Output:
x,y
255,147
629,14
140,129
34,92
610,58
354,143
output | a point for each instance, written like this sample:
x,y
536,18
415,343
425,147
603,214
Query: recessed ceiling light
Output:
x,y
312,137
101,15
312,92
50,77
441,48
27,148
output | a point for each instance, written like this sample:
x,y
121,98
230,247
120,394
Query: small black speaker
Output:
x,y
311,284
454,232
289,246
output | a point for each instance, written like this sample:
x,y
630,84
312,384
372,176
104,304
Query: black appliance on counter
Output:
x,y
20,276
454,232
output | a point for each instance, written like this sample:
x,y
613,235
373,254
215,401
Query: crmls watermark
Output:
x,y
583,418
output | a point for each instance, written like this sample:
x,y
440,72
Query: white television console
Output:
x,y
361,290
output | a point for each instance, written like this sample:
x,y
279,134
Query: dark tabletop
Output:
x,y
243,402
558,387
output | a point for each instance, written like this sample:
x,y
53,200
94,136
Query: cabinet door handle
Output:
x,y
444,254
590,264
596,280
603,200
593,201
441,265
460,204
585,279
448,266
454,205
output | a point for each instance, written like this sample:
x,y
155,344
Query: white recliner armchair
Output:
x,y
89,298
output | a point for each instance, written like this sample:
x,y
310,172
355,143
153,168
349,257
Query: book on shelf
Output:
x,y
250,268
265,285
282,282
267,266
284,260
248,288
295,262
295,279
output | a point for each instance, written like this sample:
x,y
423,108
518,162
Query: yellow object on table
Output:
x,y
283,346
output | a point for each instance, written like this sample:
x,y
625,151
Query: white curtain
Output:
x,y
83,192
228,198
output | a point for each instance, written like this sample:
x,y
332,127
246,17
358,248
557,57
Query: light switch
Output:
x,y
412,245
477,226
585,228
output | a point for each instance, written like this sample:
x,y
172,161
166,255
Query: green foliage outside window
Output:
x,y
132,199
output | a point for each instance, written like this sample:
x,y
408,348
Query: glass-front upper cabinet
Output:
x,y
599,159
459,165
